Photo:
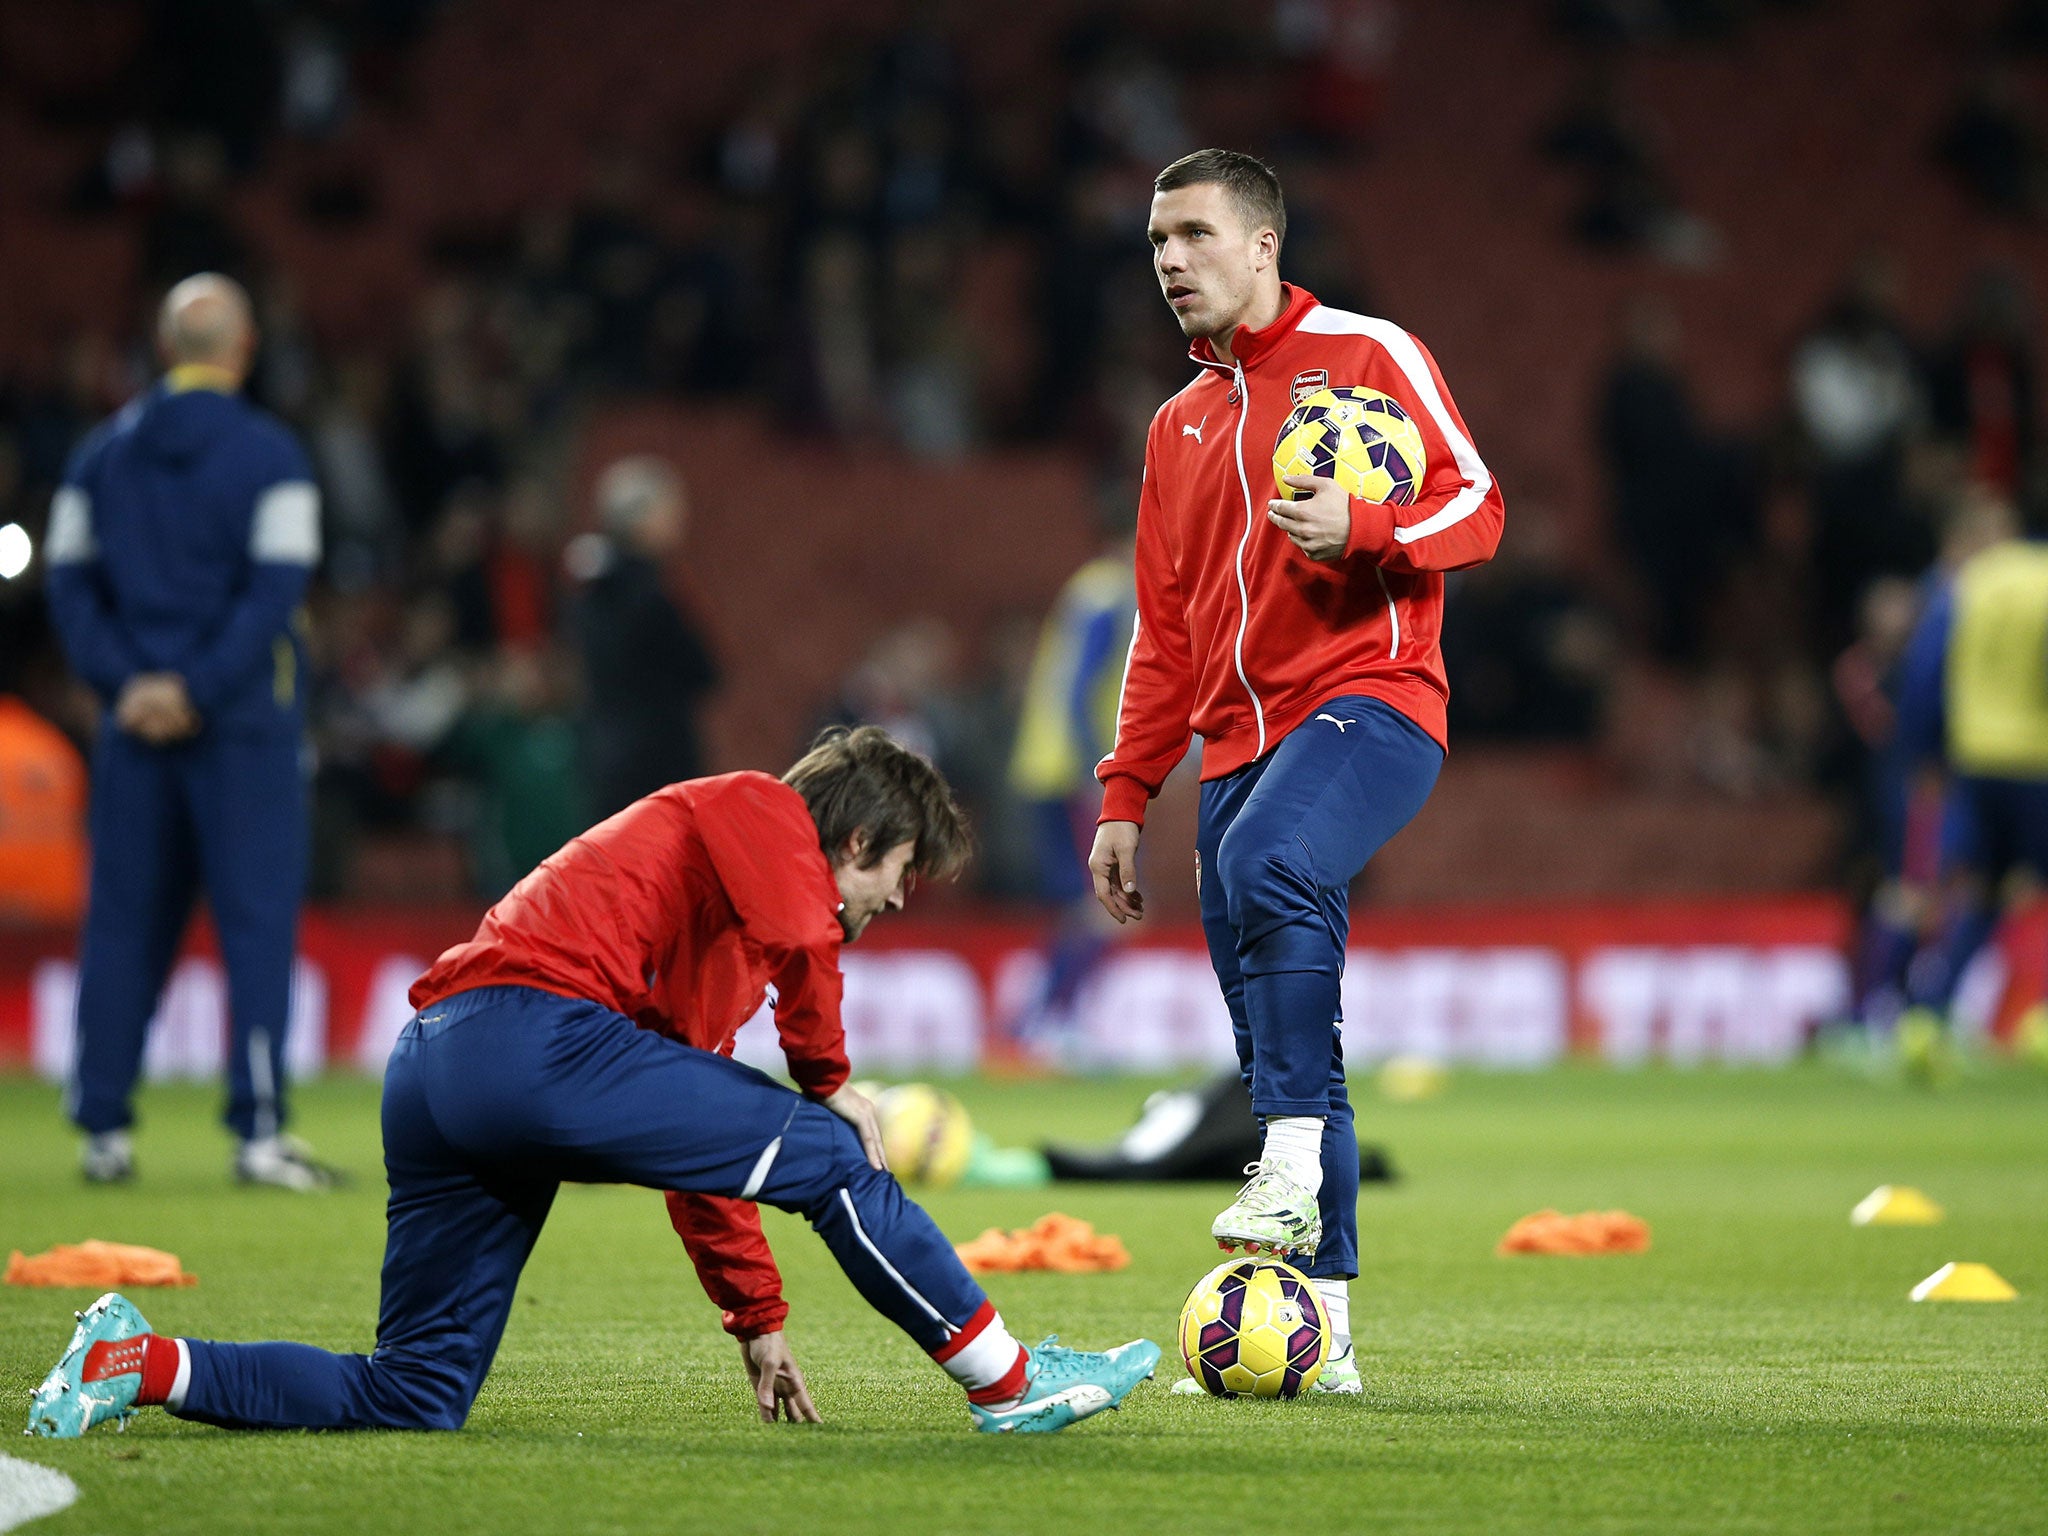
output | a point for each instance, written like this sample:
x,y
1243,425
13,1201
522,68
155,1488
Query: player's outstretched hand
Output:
x,y
1320,523
779,1387
1114,864
858,1111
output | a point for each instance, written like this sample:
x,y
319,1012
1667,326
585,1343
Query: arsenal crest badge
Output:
x,y
1306,384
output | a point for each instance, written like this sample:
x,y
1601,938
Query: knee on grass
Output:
x,y
407,1395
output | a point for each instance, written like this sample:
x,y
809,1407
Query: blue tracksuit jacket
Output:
x,y
181,541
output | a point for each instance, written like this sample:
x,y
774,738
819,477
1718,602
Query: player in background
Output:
x,y
1973,707
1298,638
1067,722
1903,793
180,545
547,1049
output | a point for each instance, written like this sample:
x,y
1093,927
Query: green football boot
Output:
x,y
94,1380
1272,1214
1064,1386
1339,1376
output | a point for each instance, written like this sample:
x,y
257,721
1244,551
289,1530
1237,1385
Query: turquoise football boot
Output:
x,y
90,1384
1064,1386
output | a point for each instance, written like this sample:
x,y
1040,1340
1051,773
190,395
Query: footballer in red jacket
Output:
x,y
563,1043
1302,498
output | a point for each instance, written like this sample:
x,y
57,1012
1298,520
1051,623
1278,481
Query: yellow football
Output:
x,y
926,1134
1254,1328
1360,438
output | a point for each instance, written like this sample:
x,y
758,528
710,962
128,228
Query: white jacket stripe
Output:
x,y
69,540
1400,346
1137,619
287,526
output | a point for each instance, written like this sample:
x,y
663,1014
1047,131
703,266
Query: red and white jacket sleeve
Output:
x,y
725,1242
1455,519
761,839
1152,730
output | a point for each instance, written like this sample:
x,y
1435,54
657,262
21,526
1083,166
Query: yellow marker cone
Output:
x,y
1895,1205
1964,1282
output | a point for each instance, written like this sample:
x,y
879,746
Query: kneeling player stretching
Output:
x,y
543,1050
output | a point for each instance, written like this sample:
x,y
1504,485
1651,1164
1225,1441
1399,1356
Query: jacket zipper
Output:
x,y
1244,409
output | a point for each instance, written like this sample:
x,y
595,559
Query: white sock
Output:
x,y
989,1358
182,1382
1336,1297
1295,1143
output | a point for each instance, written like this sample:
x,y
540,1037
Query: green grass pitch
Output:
x,y
1759,1370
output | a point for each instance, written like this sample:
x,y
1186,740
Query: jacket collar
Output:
x,y
187,377
1248,345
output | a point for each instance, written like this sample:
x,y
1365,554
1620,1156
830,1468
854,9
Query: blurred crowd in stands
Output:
x,y
501,656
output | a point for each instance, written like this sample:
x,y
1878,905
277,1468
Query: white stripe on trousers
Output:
x,y
861,1232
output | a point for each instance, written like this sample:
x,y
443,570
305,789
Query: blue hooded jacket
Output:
x,y
181,541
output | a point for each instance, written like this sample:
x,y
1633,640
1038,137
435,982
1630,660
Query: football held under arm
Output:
x,y
1454,517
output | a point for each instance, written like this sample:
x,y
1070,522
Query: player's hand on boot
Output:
x,y
1114,864
779,1388
858,1111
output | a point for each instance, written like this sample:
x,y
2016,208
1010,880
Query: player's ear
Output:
x,y
855,848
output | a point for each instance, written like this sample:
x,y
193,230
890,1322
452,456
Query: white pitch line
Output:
x,y
29,1492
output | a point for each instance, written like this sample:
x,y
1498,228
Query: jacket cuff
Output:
x,y
820,1079
1372,529
1123,799
756,1318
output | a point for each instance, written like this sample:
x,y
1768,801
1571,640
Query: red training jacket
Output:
x,y
1240,636
679,912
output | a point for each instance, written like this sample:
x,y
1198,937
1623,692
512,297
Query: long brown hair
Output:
x,y
864,780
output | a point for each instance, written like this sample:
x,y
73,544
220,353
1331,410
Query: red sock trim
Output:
x,y
1009,1389
159,1370
983,1316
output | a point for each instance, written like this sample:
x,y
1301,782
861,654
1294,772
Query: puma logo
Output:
x,y
1194,432
1340,724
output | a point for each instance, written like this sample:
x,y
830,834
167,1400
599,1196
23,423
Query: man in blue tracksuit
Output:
x,y
1974,682
179,548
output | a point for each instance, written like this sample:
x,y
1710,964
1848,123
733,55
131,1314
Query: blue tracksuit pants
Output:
x,y
1990,827
220,811
492,1098
1279,844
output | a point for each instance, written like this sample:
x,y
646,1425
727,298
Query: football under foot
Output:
x,y
1272,1214
1065,1386
90,1385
